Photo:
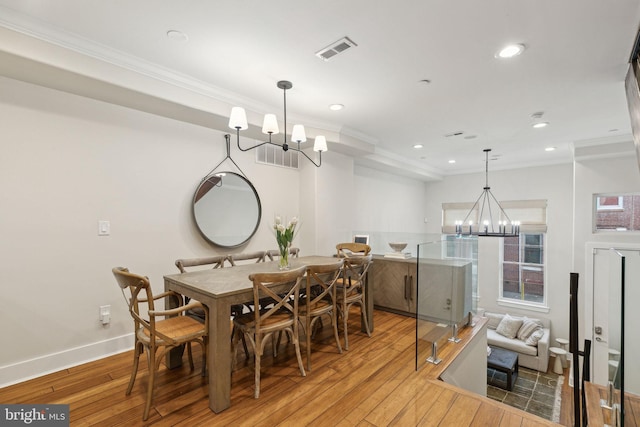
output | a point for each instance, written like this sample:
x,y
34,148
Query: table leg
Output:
x,y
219,356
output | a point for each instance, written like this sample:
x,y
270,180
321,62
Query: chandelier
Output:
x,y
488,205
238,121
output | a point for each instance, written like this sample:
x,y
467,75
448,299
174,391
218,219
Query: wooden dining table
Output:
x,y
219,289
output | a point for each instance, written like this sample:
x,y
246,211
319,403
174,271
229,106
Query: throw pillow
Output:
x,y
534,337
509,326
527,328
494,320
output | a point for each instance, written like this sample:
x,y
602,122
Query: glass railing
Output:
x,y
446,290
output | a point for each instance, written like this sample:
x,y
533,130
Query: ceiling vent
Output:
x,y
272,155
335,48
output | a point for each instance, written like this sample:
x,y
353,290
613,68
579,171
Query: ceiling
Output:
x,y
572,70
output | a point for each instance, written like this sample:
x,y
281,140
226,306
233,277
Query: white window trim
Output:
x,y
600,207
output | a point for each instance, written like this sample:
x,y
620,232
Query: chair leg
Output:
x,y
296,344
205,344
258,348
244,341
363,312
152,377
308,323
190,356
138,349
345,329
334,322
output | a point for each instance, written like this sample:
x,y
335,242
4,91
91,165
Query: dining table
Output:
x,y
218,289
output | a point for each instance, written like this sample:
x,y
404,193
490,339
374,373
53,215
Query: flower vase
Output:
x,y
284,258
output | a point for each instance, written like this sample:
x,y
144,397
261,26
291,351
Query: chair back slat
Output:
x,y
282,299
354,273
273,254
321,281
213,261
258,256
136,285
349,249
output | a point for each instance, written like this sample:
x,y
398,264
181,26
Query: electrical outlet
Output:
x,y
105,314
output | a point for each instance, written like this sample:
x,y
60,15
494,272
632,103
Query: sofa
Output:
x,y
529,337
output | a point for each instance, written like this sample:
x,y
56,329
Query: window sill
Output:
x,y
523,305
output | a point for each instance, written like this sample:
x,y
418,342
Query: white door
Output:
x,y
604,309
599,333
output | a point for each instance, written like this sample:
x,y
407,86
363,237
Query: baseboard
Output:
x,y
39,366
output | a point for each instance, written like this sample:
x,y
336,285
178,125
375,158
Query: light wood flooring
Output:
x,y
372,384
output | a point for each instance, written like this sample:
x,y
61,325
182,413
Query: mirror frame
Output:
x,y
211,239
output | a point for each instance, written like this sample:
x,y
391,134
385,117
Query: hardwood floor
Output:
x,y
372,384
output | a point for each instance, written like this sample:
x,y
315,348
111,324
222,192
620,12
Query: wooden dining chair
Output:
x,y
348,249
260,325
319,300
213,262
246,258
274,254
351,290
158,331
257,256
197,264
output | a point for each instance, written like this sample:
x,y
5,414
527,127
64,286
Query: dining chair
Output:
x,y
348,249
319,300
158,331
273,254
260,325
246,258
351,289
257,256
210,262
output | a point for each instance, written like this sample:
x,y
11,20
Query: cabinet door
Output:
x,y
389,284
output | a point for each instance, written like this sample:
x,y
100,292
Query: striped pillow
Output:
x,y
529,326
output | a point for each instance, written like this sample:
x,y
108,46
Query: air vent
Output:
x,y
272,155
335,48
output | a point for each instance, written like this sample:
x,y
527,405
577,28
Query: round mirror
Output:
x,y
227,209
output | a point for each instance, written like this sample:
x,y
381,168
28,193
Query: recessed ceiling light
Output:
x,y
178,36
510,51
452,161
540,125
418,146
550,149
336,107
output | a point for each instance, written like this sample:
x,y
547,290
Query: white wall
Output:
x,y
552,183
68,162
388,208
595,175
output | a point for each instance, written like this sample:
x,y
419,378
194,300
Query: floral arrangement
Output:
x,y
284,237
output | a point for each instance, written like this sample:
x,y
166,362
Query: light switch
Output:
x,y
104,228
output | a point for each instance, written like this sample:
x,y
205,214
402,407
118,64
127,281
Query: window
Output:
x,y
523,268
465,249
616,212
